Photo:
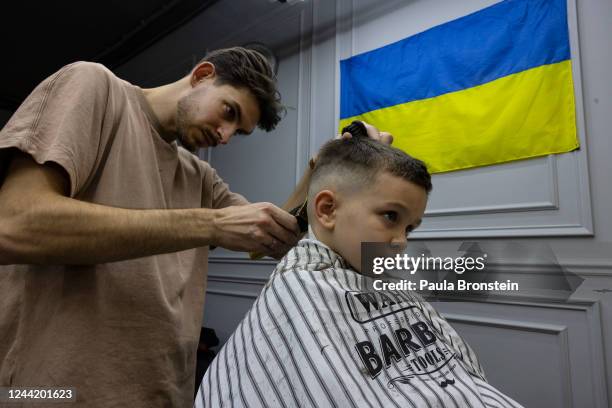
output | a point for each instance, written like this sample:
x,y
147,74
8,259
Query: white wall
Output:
x,y
544,355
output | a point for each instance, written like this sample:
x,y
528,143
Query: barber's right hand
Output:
x,y
373,133
259,227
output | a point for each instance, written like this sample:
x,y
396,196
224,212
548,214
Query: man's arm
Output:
x,y
39,224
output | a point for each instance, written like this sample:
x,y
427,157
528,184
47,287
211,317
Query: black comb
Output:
x,y
356,128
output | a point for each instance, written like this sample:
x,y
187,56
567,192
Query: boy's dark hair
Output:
x,y
244,68
358,161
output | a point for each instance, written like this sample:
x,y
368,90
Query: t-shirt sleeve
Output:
x,y
61,121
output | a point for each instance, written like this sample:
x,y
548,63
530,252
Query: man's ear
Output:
x,y
204,70
325,205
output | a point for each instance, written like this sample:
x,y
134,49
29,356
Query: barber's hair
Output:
x,y
356,162
245,68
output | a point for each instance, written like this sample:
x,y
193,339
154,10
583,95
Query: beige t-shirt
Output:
x,y
121,333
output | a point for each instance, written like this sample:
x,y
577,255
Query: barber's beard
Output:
x,y
182,124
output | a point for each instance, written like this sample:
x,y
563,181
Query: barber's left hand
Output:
x,y
373,133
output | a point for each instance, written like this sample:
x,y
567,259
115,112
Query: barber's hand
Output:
x,y
373,133
259,227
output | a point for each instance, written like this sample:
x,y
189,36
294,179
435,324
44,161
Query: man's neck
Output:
x,y
163,101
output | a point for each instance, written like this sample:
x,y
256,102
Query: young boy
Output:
x,y
315,338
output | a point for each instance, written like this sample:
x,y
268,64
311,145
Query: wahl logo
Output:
x,y
368,306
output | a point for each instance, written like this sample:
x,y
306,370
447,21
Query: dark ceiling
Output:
x,y
41,37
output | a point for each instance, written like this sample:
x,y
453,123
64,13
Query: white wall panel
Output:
x,y
552,355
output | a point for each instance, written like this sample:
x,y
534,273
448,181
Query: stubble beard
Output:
x,y
182,124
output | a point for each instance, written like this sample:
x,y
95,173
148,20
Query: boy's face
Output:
x,y
385,212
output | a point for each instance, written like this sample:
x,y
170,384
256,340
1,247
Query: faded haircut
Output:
x,y
355,163
248,69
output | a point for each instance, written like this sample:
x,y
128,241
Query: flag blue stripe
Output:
x,y
500,40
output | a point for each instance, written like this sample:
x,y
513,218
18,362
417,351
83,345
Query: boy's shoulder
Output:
x,y
311,263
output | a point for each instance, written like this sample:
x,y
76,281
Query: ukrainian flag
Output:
x,y
490,87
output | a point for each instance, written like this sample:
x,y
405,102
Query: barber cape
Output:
x,y
315,338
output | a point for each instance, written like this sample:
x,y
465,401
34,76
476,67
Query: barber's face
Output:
x,y
210,114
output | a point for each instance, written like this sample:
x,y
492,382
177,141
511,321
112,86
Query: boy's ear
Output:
x,y
202,71
325,205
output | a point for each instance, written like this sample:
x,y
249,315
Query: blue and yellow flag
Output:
x,y
490,87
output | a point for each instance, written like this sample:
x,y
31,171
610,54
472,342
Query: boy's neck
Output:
x,y
320,235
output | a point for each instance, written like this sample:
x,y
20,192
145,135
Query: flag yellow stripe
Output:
x,y
528,114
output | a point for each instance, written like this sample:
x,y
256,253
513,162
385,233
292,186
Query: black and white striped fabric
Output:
x,y
315,338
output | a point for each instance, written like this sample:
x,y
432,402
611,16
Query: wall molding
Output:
x,y
241,260
233,293
242,280
551,205
561,331
545,328
582,165
524,230
305,86
493,209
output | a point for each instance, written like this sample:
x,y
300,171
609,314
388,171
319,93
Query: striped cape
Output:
x,y
314,338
